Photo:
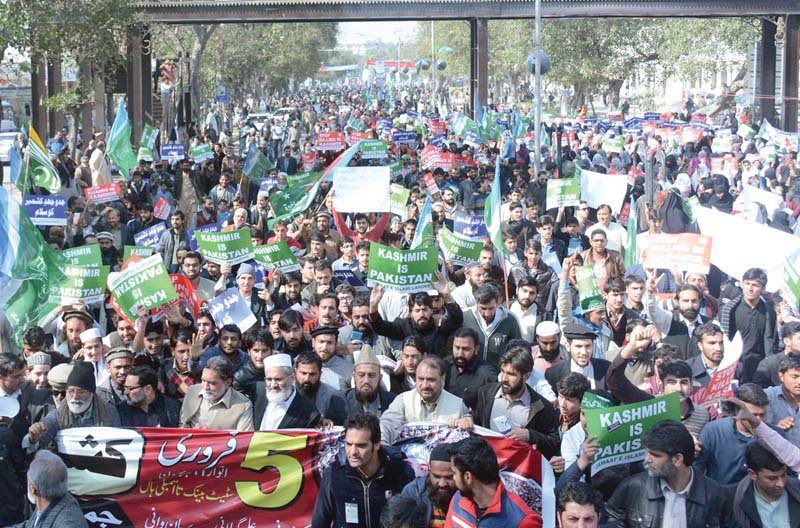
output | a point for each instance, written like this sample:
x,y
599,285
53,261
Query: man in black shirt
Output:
x,y
466,370
755,319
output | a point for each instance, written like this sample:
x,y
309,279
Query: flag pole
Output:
x,y
27,161
505,279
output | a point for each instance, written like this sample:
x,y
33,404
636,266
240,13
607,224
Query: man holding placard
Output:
x,y
671,492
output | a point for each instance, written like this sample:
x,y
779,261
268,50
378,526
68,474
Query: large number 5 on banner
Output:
x,y
290,470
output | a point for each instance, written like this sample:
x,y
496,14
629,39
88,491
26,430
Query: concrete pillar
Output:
x,y
134,85
38,93
766,99
479,63
55,117
791,54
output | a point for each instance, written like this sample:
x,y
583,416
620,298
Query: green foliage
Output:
x,y
595,56
245,56
93,32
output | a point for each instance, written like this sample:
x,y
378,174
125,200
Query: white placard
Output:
x,y
361,189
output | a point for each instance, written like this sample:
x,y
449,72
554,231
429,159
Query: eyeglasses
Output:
x,y
131,389
59,393
346,298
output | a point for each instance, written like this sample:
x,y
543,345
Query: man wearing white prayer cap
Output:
x,y
548,350
278,404
93,351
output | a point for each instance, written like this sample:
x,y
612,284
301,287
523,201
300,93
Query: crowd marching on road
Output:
x,y
432,269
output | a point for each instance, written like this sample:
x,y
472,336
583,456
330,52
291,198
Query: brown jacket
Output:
x,y
614,265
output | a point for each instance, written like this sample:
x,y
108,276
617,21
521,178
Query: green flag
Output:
x,y
423,235
26,257
147,142
293,200
119,148
354,123
631,254
588,288
39,169
492,212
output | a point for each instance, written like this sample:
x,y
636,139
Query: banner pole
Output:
x,y
505,278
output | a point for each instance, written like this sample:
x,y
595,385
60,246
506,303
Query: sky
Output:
x,y
355,33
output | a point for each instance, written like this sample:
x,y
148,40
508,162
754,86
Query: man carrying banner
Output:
x,y
81,408
278,404
435,490
355,491
671,490
427,402
213,403
481,498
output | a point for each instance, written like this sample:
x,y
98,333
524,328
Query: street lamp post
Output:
x,y
538,50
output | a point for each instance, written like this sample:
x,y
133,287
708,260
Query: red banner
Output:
x,y
212,478
162,208
308,161
437,128
355,136
103,193
390,63
187,295
330,141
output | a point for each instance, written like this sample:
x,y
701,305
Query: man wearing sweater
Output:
x,y
492,322
724,441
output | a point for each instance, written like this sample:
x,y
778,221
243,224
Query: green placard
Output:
x,y
399,200
306,178
615,144
277,256
139,251
201,152
619,430
564,191
402,271
373,149
231,247
83,283
84,255
588,289
145,283
395,169
791,277
459,249
149,135
593,401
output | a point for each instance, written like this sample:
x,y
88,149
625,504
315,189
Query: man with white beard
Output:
x,y
213,403
278,403
81,408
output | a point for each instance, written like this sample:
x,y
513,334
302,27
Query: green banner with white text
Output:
x,y
402,271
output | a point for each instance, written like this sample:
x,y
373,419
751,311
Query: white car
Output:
x,y
6,142
283,113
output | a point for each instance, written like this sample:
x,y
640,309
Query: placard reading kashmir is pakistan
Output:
x,y
402,271
231,247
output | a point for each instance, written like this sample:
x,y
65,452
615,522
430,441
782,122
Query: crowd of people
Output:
x,y
503,343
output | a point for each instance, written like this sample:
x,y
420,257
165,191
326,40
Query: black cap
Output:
x,y
82,376
325,330
71,314
578,331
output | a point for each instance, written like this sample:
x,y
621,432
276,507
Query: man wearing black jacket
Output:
x,y
420,321
515,410
354,492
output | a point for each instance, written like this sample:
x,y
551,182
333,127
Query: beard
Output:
x,y
462,362
79,406
366,394
211,395
426,324
512,389
525,303
134,400
308,390
690,314
440,498
279,396
665,472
